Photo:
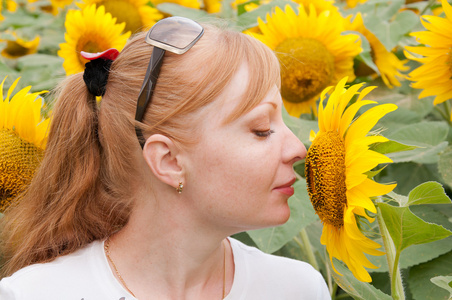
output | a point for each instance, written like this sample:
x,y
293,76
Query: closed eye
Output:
x,y
265,133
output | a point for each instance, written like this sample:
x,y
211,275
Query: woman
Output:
x,y
107,219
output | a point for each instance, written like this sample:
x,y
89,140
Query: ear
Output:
x,y
163,158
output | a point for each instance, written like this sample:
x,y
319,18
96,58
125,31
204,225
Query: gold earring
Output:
x,y
179,189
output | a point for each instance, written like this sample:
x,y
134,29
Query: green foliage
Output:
x,y
355,288
428,137
443,281
407,229
417,254
391,147
419,278
181,11
428,193
386,22
249,19
445,165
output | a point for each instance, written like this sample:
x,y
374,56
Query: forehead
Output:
x,y
235,90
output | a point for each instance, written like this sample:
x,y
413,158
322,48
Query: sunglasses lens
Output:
x,y
175,32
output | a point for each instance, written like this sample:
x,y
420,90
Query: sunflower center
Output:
x,y
18,162
325,176
90,44
15,49
307,68
124,11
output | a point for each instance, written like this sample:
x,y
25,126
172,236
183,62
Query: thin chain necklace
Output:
x,y
107,253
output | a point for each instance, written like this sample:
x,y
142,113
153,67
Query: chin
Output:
x,y
283,216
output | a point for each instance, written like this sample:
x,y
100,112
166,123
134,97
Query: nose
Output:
x,y
293,148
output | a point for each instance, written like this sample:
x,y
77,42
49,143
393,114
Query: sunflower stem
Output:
x,y
342,296
334,291
309,249
332,286
448,112
392,257
444,114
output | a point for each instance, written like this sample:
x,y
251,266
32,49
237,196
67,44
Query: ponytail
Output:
x,y
65,206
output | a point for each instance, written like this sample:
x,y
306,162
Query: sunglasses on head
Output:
x,y
173,34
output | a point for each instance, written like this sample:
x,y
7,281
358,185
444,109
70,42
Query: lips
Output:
x,y
286,188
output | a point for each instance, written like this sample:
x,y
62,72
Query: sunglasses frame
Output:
x,y
154,66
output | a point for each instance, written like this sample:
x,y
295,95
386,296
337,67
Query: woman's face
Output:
x,y
240,174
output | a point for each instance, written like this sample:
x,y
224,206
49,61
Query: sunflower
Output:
x,y
313,52
336,166
187,3
212,6
353,3
137,14
250,6
18,47
52,6
90,30
56,5
435,73
22,140
387,62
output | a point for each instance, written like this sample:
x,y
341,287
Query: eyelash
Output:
x,y
263,134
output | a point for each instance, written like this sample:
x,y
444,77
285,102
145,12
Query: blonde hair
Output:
x,y
82,190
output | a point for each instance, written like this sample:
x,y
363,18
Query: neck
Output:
x,y
167,255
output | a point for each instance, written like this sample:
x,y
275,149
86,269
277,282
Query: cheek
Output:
x,y
234,169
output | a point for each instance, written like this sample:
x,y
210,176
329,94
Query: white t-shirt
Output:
x,y
86,275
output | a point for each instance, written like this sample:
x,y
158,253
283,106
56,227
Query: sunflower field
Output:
x,y
366,85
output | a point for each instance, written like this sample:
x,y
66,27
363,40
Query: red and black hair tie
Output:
x,y
97,70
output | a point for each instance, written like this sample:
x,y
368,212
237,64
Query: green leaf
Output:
x,y
366,53
301,214
427,155
42,77
419,278
227,12
444,165
444,282
241,7
352,286
421,134
428,193
418,254
400,199
391,147
407,229
429,137
372,174
182,11
389,33
402,116
409,175
300,127
5,70
249,19
38,60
